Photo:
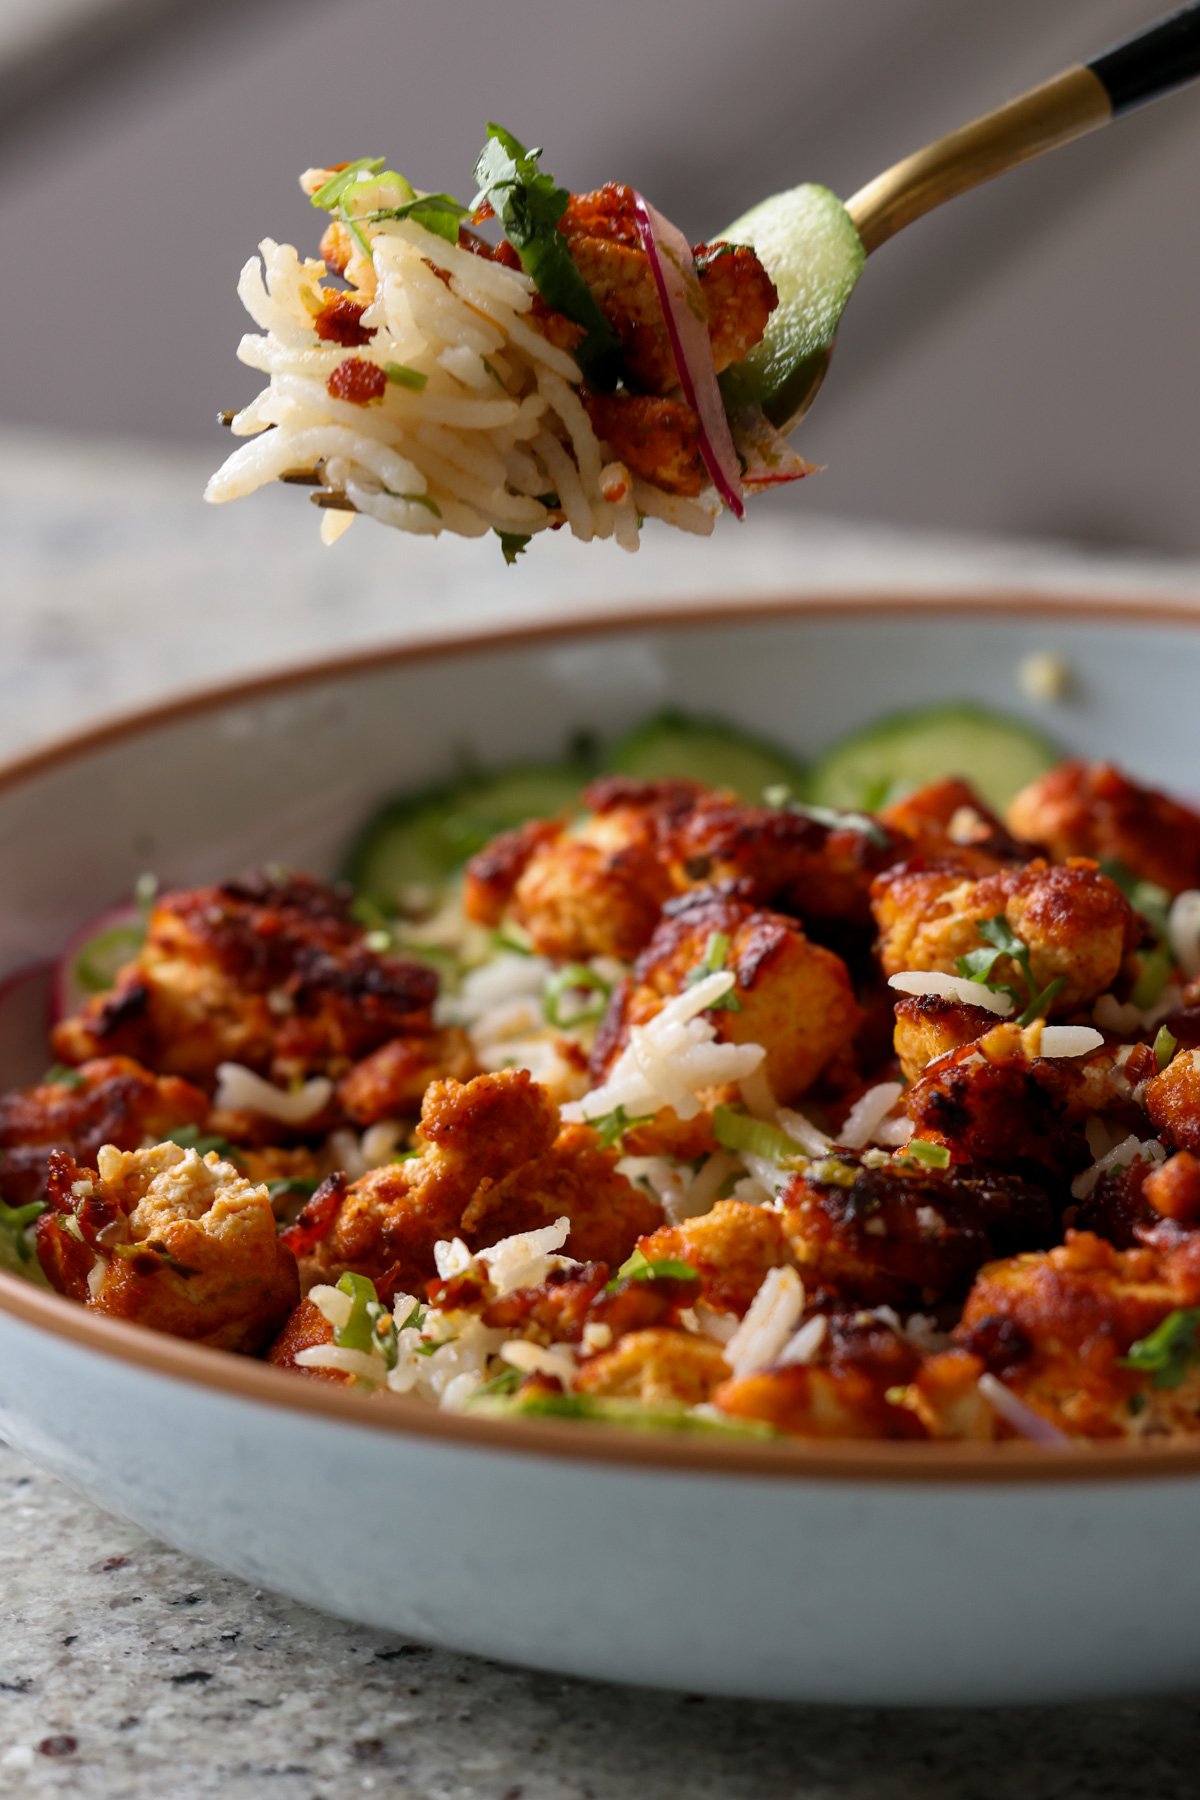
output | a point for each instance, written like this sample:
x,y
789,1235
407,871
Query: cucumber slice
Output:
x,y
419,842
806,240
904,751
673,746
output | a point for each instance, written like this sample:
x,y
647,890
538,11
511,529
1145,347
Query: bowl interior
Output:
x,y
285,771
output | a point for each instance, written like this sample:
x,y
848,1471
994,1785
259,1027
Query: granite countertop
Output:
x,y
128,1670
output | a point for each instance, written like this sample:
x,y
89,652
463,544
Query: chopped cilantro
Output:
x,y
415,1319
190,1137
1169,1351
15,1219
933,1156
1165,1046
639,1267
292,1184
529,205
439,213
370,1325
97,964
1001,940
400,375
428,1349
779,796
574,978
611,1127
716,954
512,544
507,1382
59,1075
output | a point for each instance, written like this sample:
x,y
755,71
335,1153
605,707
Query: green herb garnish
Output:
x,y
639,1267
422,500
439,213
400,375
529,204
735,1130
190,1137
512,544
415,1319
1001,940
716,953
292,1184
1165,1046
59,1075
832,817
507,1382
932,1156
574,978
15,1219
332,192
370,1325
1169,1351
611,1127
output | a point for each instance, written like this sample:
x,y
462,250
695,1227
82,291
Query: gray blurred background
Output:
x,y
1023,362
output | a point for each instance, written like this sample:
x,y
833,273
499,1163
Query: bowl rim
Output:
x,y
664,1452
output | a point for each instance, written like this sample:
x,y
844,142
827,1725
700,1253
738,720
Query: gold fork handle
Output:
x,y
1066,107
1154,61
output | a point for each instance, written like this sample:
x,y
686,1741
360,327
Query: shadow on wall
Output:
x,y
1024,361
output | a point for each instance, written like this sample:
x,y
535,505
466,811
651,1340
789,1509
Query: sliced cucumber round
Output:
x,y
675,747
868,768
808,245
420,841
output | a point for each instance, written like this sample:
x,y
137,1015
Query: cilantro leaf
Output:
x,y
13,1222
529,205
292,1184
512,543
639,1267
59,1075
190,1137
1001,940
932,1156
715,958
439,213
611,1127
1169,1351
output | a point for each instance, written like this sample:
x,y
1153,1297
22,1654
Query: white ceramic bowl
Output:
x,y
889,1573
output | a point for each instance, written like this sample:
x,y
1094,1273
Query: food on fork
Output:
x,y
582,365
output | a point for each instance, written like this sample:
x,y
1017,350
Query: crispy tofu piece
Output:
x,y
170,1239
1076,923
1092,809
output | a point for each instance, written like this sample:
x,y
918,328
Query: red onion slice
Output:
x,y
1022,1418
686,314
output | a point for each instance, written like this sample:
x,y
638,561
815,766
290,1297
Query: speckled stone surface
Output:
x,y
128,1671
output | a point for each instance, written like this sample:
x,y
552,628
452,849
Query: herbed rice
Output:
x,y
496,438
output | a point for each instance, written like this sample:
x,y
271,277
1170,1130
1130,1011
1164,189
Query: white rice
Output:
x,y
1069,1040
862,1122
240,1090
1129,1150
952,987
672,1059
470,451
1183,931
773,1316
